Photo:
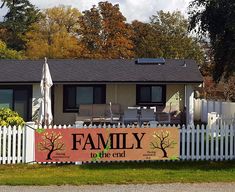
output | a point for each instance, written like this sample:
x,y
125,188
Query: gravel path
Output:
x,y
174,187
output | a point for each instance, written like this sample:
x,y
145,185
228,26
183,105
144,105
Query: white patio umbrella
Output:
x,y
45,113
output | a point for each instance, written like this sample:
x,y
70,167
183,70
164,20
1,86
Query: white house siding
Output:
x,y
174,97
60,117
124,94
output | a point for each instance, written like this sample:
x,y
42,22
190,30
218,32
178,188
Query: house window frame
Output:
x,y
150,103
29,95
66,109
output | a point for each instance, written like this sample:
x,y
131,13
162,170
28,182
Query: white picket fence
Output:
x,y
12,145
196,142
202,107
207,143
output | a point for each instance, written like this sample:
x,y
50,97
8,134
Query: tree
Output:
x,y
21,14
145,40
216,20
91,27
222,90
51,142
166,36
6,53
55,34
105,34
162,142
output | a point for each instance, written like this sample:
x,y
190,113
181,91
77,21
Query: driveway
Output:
x,y
174,187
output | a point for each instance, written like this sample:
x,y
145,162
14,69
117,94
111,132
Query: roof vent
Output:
x,y
150,61
184,65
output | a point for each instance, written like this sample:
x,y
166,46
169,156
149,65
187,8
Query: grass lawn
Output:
x,y
118,173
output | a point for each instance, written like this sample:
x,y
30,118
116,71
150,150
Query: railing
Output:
x,y
196,142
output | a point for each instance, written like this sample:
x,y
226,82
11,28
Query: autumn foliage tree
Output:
x,y
91,27
51,142
162,142
223,90
166,36
105,33
55,35
6,53
144,39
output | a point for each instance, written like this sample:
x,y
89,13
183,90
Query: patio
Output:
x,y
111,114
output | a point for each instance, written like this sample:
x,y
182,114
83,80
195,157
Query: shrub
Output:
x,y
10,118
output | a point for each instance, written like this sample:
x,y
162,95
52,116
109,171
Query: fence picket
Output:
x,y
193,142
212,132
4,143
188,143
197,142
23,144
226,142
1,144
19,144
202,142
183,142
14,145
231,135
216,142
222,143
207,142
9,131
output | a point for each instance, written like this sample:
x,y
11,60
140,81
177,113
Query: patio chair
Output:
x,y
164,118
147,115
130,116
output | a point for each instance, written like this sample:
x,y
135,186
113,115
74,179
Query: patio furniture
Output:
x,y
134,107
98,113
147,115
163,117
130,116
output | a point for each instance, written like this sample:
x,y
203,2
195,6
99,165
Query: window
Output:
x,y
74,95
150,94
17,98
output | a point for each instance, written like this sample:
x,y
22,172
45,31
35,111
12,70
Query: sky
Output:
x,y
132,9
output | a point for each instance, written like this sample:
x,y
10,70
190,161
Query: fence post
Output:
x,y
29,142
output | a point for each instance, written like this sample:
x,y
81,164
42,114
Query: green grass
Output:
x,y
118,173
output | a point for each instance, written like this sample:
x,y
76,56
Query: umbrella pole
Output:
x,y
44,97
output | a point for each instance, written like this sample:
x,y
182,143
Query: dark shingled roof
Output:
x,y
113,70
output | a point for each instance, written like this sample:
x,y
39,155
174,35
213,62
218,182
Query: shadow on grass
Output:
x,y
176,165
155,165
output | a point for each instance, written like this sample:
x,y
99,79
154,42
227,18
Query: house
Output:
x,y
144,82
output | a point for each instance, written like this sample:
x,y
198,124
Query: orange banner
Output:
x,y
106,144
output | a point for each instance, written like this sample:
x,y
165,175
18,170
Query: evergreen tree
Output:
x,y
21,14
216,20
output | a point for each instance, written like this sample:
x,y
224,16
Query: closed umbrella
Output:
x,y
45,113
